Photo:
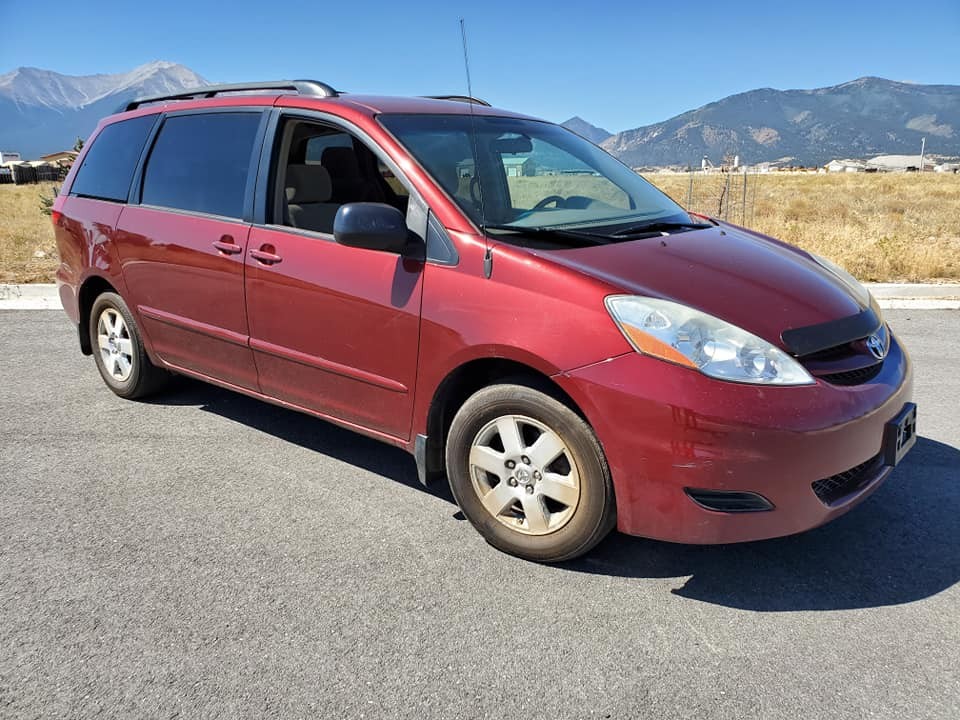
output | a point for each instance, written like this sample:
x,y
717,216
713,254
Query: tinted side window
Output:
x,y
108,166
324,168
201,163
390,179
316,145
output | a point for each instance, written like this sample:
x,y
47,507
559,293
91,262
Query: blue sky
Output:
x,y
617,64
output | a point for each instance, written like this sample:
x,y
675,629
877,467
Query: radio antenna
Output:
x,y
466,57
487,255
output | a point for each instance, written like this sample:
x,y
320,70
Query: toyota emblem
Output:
x,y
875,346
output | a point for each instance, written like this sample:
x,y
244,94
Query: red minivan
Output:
x,y
494,294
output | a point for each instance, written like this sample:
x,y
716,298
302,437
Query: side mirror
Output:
x,y
373,226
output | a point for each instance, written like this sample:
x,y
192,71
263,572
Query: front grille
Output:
x,y
838,486
729,501
837,352
854,377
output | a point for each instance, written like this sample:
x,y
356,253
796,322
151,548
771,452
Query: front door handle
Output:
x,y
227,246
267,254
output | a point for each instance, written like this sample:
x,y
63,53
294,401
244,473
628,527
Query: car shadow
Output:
x,y
303,430
899,546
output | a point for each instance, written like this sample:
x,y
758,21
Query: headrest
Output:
x,y
308,184
341,162
448,177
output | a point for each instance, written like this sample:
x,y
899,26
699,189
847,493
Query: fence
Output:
x,y
728,195
27,174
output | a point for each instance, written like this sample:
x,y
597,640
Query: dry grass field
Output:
x,y
25,233
880,227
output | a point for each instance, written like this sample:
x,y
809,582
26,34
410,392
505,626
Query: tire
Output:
x,y
118,350
556,501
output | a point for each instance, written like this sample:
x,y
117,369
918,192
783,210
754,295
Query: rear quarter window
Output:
x,y
108,166
201,163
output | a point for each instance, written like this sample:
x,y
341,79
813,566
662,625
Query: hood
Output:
x,y
755,282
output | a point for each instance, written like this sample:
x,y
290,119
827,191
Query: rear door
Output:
x,y
334,329
182,246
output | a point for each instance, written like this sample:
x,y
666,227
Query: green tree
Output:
x,y
46,201
78,145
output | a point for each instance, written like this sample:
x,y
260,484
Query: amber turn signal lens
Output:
x,y
649,345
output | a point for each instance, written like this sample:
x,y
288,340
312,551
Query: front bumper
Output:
x,y
665,428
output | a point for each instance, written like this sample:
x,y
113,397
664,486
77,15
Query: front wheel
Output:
x,y
118,350
529,474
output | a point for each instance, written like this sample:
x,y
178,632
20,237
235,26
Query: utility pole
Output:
x,y
726,197
923,146
743,203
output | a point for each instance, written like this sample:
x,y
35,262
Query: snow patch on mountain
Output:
x,y
35,87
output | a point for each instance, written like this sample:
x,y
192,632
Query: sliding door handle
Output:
x,y
227,246
267,254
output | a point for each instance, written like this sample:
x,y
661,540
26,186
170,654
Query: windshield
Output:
x,y
521,175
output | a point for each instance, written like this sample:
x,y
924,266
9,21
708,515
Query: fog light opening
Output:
x,y
728,501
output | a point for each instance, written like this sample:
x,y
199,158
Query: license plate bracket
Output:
x,y
899,435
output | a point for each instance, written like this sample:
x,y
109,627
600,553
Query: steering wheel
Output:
x,y
559,201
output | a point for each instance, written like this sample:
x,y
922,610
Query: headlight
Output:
x,y
682,335
853,285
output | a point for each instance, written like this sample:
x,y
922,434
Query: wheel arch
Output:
x,y
458,385
90,290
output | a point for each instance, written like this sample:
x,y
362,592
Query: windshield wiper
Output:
x,y
658,227
592,238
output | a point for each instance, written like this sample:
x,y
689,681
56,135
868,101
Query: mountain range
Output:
x,y
42,111
581,127
864,117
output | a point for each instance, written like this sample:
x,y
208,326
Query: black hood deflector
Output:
x,y
815,338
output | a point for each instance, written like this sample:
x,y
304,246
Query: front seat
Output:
x,y
349,183
309,192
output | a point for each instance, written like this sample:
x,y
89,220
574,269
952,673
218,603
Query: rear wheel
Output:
x,y
118,350
529,474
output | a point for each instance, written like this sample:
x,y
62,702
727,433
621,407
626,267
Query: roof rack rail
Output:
x,y
313,88
459,98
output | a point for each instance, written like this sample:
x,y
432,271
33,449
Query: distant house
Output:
x,y
64,158
519,166
896,163
7,157
845,166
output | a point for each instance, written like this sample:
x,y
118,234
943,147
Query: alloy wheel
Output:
x,y
116,346
524,475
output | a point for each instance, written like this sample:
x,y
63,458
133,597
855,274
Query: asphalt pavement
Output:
x,y
207,555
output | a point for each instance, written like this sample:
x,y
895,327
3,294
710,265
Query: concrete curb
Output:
x,y
900,296
916,296
942,291
35,296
